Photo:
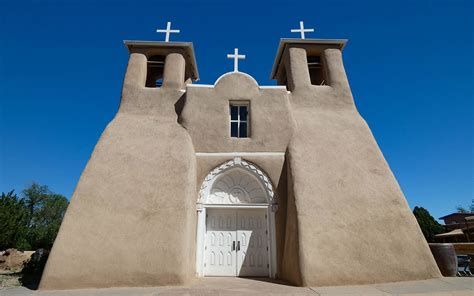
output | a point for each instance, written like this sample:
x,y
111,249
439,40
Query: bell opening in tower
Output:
x,y
155,67
316,70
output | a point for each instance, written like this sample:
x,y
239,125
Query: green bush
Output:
x,y
31,221
13,217
429,226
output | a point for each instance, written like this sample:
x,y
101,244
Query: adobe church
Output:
x,y
237,179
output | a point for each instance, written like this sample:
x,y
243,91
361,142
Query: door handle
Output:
x,y
238,246
233,246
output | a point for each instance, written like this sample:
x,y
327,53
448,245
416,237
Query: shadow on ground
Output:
x,y
33,269
30,274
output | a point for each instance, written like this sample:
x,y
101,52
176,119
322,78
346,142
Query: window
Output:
x,y
239,119
155,66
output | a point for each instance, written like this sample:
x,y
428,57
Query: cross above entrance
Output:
x,y
168,31
301,30
236,56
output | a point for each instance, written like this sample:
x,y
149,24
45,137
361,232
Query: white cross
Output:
x,y
236,56
302,30
167,31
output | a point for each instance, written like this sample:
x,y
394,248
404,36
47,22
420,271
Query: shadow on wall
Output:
x,y
178,107
252,249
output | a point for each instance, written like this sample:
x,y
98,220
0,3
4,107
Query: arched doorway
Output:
x,y
236,222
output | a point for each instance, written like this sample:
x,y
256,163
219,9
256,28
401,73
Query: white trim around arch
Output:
x,y
270,206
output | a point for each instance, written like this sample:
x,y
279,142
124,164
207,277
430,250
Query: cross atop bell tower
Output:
x,y
302,30
167,31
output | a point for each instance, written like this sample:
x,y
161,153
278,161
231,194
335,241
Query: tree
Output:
x,y
429,226
32,221
34,197
45,213
470,209
13,217
48,219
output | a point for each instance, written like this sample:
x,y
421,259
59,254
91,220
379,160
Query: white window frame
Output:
x,y
238,120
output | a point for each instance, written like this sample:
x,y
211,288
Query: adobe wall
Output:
x,y
206,115
271,124
354,225
342,218
129,223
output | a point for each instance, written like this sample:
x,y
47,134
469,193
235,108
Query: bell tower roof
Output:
x,y
312,46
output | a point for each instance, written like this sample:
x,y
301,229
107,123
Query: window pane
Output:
x,y
234,112
234,129
243,113
243,130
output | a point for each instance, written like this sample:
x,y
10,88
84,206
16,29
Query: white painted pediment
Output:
x,y
236,187
237,182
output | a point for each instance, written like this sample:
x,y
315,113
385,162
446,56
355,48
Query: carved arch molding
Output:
x,y
237,181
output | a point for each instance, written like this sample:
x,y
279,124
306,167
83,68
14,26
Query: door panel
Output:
x,y
252,243
236,243
220,251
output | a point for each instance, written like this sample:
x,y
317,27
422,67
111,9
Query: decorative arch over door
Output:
x,y
236,184
243,181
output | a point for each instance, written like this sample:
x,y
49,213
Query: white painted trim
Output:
x,y
282,87
239,104
200,237
236,154
200,85
273,87
237,206
237,163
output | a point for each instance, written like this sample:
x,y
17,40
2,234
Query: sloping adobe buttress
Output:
x,y
121,225
353,223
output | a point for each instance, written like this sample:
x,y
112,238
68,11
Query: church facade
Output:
x,y
237,179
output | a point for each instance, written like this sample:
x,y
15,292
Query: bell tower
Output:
x,y
171,65
341,189
301,63
125,201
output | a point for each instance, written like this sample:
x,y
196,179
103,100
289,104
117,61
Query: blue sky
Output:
x,y
410,65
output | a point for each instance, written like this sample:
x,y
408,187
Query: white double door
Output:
x,y
236,243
